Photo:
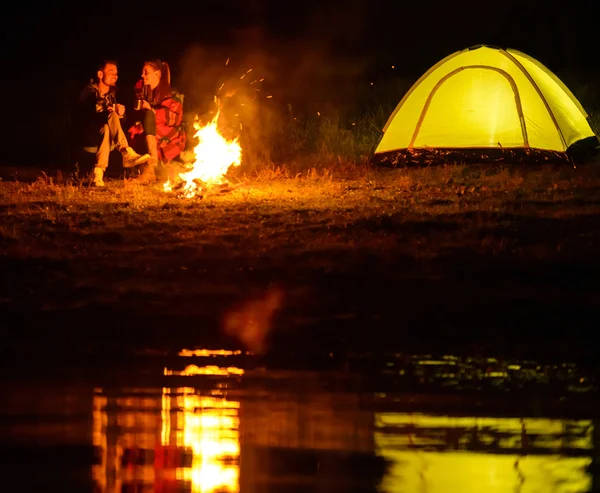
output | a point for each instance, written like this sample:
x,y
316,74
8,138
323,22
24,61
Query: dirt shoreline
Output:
x,y
453,258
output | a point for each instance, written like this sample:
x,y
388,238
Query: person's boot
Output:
x,y
98,177
147,176
152,150
132,158
149,168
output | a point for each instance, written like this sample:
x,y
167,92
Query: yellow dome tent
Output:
x,y
485,103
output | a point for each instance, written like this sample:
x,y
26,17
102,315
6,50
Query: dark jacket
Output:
x,y
91,114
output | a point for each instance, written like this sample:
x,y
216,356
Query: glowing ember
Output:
x,y
214,155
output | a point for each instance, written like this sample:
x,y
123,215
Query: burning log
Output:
x,y
200,189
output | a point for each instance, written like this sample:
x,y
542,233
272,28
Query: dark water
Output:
x,y
207,424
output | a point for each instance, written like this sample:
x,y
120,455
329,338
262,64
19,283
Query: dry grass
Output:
x,y
277,203
349,246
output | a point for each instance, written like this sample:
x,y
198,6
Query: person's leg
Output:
x,y
130,157
116,131
149,123
102,156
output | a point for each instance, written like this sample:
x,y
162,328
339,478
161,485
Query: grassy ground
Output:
x,y
496,259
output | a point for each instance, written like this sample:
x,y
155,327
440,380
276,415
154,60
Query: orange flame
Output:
x,y
214,155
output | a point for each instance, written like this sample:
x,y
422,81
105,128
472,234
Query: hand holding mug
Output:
x,y
119,109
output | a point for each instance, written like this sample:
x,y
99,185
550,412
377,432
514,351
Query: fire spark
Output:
x,y
214,156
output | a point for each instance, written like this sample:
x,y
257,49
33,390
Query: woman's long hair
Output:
x,y
163,90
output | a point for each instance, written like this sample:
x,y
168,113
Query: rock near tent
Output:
x,y
486,104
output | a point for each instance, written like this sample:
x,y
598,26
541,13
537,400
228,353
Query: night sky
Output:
x,y
52,49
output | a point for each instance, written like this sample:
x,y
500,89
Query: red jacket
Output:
x,y
170,134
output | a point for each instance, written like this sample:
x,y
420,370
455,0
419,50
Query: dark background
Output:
x,y
307,51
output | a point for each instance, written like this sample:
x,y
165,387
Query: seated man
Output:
x,y
160,118
99,119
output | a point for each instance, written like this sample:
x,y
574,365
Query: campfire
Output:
x,y
214,155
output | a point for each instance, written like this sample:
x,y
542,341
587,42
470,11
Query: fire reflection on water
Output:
x,y
161,441
210,428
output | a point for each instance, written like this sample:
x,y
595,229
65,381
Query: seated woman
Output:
x,y
160,118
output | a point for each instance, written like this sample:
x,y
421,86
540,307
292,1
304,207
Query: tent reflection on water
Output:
x,y
441,454
175,441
